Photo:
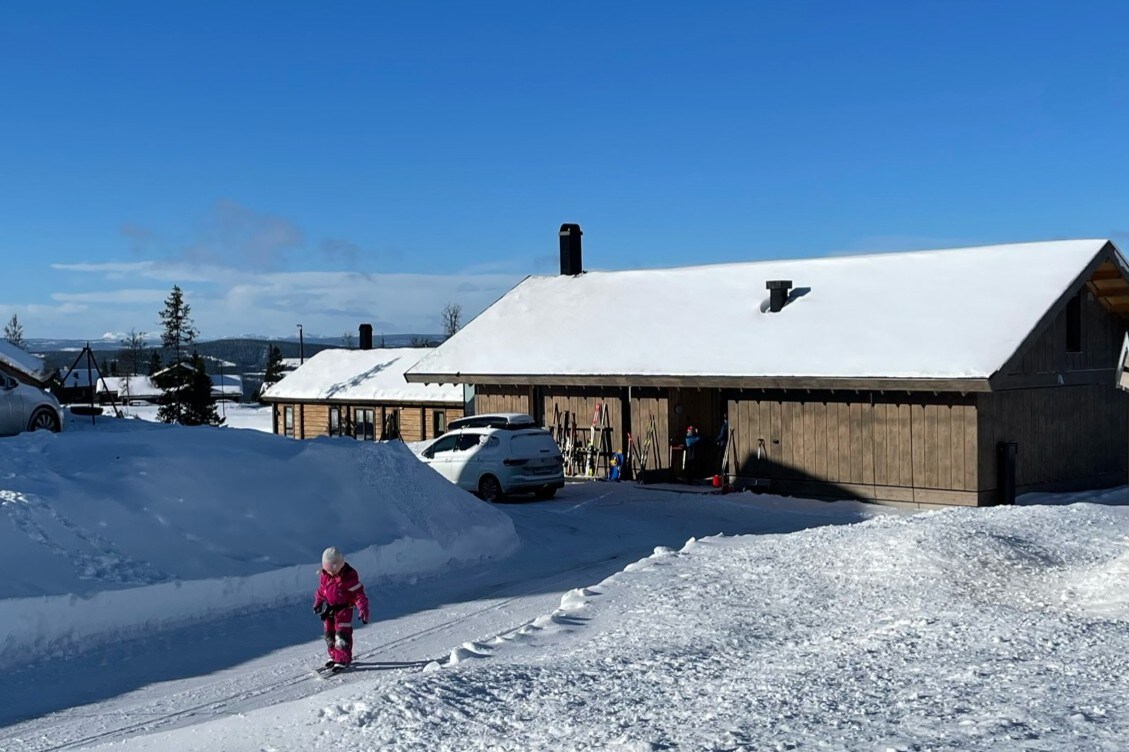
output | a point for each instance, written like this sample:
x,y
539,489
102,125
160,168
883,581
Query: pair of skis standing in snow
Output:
x,y
339,592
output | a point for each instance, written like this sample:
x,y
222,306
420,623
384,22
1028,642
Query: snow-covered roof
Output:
x,y
21,361
227,384
944,314
134,386
352,375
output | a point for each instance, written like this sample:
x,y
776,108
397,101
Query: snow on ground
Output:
x,y
235,414
626,618
126,523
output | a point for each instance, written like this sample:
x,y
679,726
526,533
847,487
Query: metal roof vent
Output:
x,y
570,249
777,293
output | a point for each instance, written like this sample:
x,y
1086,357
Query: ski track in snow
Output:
x,y
277,682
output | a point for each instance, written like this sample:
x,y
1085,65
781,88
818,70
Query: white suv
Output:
x,y
494,462
27,408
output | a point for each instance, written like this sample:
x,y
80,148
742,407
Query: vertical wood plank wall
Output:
x,y
648,404
1068,435
1102,335
580,403
906,448
493,398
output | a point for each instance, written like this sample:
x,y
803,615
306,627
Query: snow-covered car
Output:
x,y
496,462
27,408
493,420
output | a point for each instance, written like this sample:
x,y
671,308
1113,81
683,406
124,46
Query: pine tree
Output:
x,y
14,331
154,362
179,334
273,373
199,409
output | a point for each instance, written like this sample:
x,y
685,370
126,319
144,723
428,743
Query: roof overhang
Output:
x,y
963,385
1109,283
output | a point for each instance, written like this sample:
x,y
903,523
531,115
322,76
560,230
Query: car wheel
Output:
x,y
43,420
545,493
489,488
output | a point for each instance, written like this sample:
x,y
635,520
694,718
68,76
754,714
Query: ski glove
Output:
x,y
364,616
320,608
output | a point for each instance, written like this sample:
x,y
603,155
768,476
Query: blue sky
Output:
x,y
333,163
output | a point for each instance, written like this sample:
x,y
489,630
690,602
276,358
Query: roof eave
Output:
x,y
963,385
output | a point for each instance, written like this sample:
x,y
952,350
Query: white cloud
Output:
x,y
125,296
230,302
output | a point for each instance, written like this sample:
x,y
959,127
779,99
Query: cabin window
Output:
x,y
1074,324
363,425
288,421
334,420
439,423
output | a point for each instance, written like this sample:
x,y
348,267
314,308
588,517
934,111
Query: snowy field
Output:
x,y
159,581
235,414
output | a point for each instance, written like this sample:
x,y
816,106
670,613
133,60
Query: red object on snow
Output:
x,y
717,481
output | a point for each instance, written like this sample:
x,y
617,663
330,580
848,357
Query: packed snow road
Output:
x,y
199,672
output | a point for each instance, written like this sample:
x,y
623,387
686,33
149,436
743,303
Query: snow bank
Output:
x,y
133,525
943,630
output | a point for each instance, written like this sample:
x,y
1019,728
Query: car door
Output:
x,y
11,407
438,455
464,460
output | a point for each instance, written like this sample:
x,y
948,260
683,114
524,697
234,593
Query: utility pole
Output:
x,y
301,346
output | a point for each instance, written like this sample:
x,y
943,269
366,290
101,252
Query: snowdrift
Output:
x,y
130,525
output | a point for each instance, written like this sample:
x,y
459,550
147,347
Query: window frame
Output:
x,y
360,423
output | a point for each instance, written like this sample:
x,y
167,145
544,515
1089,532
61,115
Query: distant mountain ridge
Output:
x,y
246,353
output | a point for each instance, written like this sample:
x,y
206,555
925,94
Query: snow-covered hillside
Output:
x,y
613,617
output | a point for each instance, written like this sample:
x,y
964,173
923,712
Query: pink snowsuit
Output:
x,y
341,592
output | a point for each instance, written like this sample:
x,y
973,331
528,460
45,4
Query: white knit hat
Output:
x,y
332,556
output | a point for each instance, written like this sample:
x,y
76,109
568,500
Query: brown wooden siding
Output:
x,y
648,405
1068,435
1102,336
492,398
868,445
580,404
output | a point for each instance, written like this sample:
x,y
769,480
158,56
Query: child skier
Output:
x,y
339,590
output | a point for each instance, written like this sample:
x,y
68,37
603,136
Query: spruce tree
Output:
x,y
14,331
199,409
178,335
273,373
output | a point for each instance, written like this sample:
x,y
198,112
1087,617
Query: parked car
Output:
x,y
27,408
493,420
496,462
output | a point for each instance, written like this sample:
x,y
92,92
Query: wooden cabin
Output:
x,y
361,394
959,376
